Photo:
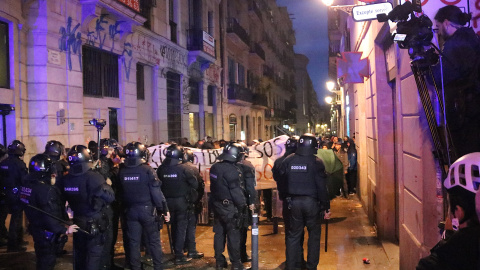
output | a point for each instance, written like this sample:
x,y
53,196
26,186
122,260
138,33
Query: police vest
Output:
x,y
78,191
225,183
12,170
301,171
174,184
136,182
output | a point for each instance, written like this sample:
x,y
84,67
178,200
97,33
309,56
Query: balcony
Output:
x,y
201,47
257,53
236,32
254,9
239,94
260,100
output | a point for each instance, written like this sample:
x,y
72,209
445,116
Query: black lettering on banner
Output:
x,y
203,154
280,148
260,152
210,154
153,154
265,149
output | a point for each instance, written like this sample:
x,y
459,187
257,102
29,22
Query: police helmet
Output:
x,y
16,148
291,143
188,155
307,144
108,144
79,158
231,152
3,151
54,149
136,154
41,166
245,150
175,151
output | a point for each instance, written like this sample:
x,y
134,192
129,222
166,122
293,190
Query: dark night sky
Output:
x,y
310,26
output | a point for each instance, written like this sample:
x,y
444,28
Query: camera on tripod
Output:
x,y
98,123
413,33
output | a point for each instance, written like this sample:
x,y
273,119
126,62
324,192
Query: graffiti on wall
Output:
x,y
156,52
70,42
185,97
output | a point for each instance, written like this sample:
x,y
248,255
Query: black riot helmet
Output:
x,y
3,151
80,159
245,151
54,149
41,166
231,152
16,148
108,144
291,143
136,153
188,155
175,151
307,145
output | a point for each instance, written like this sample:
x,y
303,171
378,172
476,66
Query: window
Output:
x,y
4,57
210,95
174,116
211,30
241,75
140,82
194,95
231,71
146,11
172,21
100,73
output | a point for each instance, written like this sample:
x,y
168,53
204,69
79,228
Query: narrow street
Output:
x,y
351,238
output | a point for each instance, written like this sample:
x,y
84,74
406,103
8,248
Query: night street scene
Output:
x,y
239,134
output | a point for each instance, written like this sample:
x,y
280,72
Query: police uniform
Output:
x,y
177,181
3,202
228,202
13,170
307,196
143,201
190,243
88,195
47,233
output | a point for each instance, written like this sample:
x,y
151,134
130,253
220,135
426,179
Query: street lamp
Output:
x,y
328,99
330,85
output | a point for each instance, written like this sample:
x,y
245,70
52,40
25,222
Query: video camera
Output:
x,y
98,123
413,33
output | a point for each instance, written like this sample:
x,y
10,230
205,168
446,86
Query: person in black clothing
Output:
x,y
88,195
178,181
3,203
461,249
48,234
13,170
55,150
352,167
228,203
197,205
307,199
282,187
248,184
143,204
461,77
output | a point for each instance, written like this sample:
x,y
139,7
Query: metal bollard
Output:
x,y
254,242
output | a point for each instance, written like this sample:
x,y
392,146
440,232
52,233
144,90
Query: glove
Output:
x,y
167,217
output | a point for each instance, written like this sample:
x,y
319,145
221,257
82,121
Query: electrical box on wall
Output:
x,y
61,117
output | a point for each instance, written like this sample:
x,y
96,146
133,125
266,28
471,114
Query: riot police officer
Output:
x,y
55,150
248,184
197,205
13,169
46,231
3,202
290,148
307,198
178,183
143,203
228,203
88,195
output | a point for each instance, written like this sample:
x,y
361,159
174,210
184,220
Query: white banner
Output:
x,y
262,156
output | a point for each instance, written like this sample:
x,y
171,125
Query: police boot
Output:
x,y
221,266
195,255
182,260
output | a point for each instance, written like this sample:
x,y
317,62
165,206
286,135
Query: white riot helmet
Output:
x,y
465,173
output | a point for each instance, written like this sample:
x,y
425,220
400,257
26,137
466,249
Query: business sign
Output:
x,y
369,12
208,44
133,4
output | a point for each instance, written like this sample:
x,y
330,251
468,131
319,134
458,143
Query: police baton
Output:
x,y
326,233
169,236
56,218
